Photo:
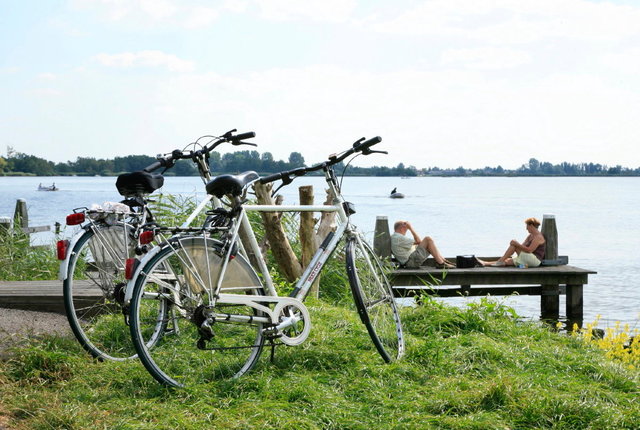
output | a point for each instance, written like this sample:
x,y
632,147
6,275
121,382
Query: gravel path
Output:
x,y
16,325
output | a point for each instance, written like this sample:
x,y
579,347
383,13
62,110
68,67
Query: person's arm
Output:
x,y
416,238
535,243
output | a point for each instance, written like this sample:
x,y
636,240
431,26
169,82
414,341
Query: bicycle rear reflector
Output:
x,y
146,237
75,219
61,249
130,267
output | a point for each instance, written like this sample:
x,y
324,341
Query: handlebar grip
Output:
x,y
271,178
153,166
369,143
238,137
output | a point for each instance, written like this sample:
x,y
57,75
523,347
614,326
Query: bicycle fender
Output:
x,y
63,273
143,261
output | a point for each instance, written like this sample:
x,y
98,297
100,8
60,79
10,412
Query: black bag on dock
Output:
x,y
466,261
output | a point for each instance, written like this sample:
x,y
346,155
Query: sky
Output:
x,y
445,83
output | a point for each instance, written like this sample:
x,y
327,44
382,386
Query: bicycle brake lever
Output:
x,y
370,151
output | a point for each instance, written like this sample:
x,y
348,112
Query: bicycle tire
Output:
x,y
95,271
177,359
374,299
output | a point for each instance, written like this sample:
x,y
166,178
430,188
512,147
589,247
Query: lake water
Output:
x,y
597,220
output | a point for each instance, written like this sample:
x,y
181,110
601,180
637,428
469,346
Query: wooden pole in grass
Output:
x,y
307,236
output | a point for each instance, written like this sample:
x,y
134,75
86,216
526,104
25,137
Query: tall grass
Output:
x,y
19,261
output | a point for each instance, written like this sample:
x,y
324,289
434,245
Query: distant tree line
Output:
x,y
538,168
17,163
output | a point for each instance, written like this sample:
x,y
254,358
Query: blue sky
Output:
x,y
444,82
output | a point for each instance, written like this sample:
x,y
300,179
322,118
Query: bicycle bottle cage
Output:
x,y
230,184
136,183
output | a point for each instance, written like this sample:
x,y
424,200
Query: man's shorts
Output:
x,y
417,257
526,258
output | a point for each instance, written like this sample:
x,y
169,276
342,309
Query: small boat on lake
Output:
x,y
48,188
396,195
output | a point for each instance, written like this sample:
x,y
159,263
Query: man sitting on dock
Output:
x,y
413,252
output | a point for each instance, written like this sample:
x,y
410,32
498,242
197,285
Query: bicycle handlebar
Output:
x,y
169,160
361,145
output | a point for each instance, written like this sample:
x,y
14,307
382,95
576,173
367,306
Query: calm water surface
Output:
x,y
597,220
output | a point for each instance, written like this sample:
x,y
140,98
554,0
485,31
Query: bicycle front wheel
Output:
x,y
201,341
95,279
374,299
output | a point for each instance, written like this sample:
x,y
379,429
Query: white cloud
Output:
x,y
9,70
627,61
198,17
46,92
316,10
153,12
145,59
516,21
47,76
486,58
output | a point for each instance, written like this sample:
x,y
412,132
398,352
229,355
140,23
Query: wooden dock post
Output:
x,y
21,215
551,237
382,237
550,302
5,225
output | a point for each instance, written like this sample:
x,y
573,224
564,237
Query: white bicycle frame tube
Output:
x,y
319,258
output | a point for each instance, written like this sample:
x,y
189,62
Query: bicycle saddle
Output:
x,y
230,184
136,183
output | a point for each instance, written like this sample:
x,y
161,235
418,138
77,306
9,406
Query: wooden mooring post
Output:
x,y
20,220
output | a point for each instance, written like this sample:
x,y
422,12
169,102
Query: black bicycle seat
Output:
x,y
137,183
230,184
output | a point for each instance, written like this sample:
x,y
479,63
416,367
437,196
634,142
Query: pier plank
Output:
x,y
43,296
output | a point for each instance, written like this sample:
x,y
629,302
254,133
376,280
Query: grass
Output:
x,y
471,368
19,261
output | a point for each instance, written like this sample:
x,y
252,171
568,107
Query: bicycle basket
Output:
x,y
109,250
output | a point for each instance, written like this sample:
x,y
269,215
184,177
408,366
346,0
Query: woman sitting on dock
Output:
x,y
529,253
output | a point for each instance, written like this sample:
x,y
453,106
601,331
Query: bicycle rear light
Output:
x,y
146,237
62,246
75,218
130,267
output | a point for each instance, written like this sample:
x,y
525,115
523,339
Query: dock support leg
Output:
x,y
550,302
574,303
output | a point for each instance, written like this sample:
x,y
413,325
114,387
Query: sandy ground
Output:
x,y
16,325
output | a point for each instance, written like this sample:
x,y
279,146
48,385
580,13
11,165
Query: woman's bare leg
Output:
x,y
506,258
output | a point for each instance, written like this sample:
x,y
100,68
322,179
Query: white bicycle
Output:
x,y
198,310
92,266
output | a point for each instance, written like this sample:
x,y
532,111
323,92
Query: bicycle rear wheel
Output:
x,y
374,299
201,341
95,279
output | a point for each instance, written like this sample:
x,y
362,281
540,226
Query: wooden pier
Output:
x,y
548,282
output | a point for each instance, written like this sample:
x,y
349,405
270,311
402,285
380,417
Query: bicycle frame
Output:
x,y
303,285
